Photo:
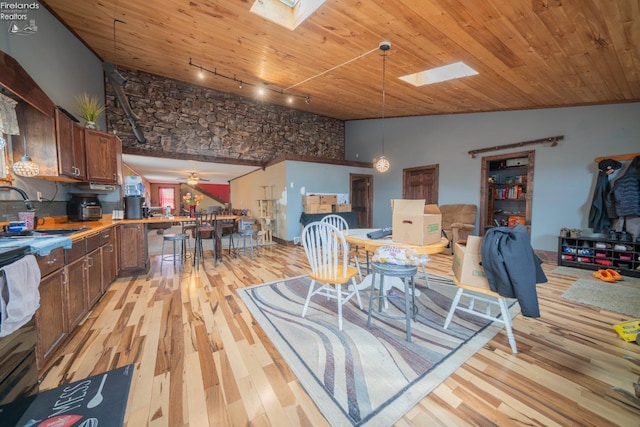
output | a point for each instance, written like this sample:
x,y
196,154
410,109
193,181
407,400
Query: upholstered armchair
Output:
x,y
458,222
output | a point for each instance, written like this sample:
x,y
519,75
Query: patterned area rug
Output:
x,y
364,376
620,297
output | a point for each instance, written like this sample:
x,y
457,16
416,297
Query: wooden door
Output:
x,y
51,317
421,183
94,277
79,152
64,136
76,296
362,199
101,159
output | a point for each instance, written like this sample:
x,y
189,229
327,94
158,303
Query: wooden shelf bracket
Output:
x,y
552,140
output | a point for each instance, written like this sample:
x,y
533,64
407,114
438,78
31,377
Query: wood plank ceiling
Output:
x,y
529,53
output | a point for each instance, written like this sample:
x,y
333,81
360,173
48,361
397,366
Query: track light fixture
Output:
x,y
262,87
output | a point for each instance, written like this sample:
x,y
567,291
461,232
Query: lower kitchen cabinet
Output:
x,y
93,281
51,318
109,258
73,280
133,256
77,304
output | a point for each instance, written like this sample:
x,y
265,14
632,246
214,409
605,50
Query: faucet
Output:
x,y
27,202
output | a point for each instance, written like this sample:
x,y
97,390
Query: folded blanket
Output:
x,y
19,295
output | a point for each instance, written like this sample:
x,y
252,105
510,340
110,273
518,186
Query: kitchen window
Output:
x,y
167,197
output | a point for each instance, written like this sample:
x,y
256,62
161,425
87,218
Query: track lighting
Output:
x,y
261,87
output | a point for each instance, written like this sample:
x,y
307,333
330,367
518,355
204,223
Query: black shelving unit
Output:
x,y
593,253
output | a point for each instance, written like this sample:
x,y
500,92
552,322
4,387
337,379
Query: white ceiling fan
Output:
x,y
194,179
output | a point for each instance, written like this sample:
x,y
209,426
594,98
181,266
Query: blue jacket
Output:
x,y
511,266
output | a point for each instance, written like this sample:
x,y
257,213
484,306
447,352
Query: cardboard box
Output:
x,y
314,209
466,267
311,200
415,223
515,220
328,199
343,207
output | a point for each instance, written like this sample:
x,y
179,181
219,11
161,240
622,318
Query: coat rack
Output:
x,y
553,140
619,157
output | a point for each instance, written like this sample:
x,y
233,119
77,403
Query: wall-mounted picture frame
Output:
x,y
5,165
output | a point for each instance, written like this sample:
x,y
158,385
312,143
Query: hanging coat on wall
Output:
x,y
623,198
598,218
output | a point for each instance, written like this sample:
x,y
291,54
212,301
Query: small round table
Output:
x,y
405,272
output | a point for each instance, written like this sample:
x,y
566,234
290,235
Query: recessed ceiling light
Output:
x,y
456,70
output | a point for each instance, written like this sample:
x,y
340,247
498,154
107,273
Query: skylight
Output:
x,y
287,13
456,70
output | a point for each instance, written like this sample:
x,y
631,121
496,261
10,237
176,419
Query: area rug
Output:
x,y
97,400
361,376
620,297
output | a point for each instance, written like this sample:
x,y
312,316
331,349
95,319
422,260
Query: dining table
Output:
x,y
357,238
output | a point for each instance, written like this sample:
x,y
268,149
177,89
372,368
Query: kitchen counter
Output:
x,y
37,245
104,223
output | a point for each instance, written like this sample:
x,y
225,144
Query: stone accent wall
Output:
x,y
178,117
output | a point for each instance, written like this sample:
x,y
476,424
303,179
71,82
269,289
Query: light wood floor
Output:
x,y
202,361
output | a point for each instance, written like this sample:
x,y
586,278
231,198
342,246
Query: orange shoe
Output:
x,y
603,275
614,274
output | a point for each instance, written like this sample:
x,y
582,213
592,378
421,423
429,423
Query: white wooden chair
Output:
x,y
490,298
341,224
327,252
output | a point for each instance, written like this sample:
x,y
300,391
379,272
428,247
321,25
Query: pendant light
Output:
x,y
382,164
25,166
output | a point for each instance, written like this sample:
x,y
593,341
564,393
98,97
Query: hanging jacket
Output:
x,y
511,266
623,197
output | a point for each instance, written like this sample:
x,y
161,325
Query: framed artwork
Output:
x,y
5,172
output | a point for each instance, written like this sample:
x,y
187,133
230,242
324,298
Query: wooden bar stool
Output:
x,y
405,272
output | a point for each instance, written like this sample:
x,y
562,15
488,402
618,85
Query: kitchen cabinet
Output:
x,y
73,280
108,256
93,268
102,151
51,317
133,257
66,151
70,147
77,304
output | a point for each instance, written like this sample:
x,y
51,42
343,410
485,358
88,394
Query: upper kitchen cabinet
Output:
x,y
102,151
71,150
63,150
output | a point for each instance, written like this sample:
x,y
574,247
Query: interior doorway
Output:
x,y
361,189
421,183
506,190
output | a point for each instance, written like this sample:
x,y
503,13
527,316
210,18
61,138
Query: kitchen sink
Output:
x,y
59,231
42,232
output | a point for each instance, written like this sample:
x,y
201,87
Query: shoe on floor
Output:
x,y
603,275
614,274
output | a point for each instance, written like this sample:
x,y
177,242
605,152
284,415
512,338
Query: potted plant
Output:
x,y
90,109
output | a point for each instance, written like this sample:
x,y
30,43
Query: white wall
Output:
x,y
564,175
289,181
248,189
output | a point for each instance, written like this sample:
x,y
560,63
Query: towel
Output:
x,y
19,295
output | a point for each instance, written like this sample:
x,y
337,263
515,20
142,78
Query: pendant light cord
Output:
x,y
384,69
